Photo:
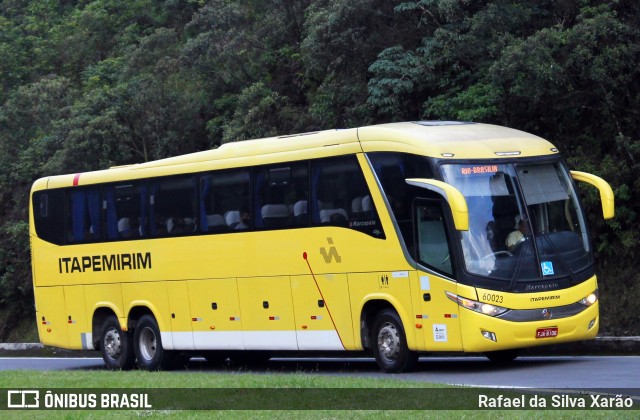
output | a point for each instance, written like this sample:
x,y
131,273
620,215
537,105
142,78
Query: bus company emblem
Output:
x,y
332,254
111,262
546,314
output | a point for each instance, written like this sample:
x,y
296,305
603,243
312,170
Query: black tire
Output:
x,y
115,345
502,356
147,345
390,344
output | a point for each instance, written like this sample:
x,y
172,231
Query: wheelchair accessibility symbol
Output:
x,y
547,268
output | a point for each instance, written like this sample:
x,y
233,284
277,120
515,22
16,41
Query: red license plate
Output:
x,y
549,332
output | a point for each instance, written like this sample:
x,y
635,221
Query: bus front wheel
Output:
x,y
115,345
147,345
390,344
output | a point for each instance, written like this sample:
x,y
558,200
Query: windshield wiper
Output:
x,y
521,257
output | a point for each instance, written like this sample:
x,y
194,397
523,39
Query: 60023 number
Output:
x,y
490,297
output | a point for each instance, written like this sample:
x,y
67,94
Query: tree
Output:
x,y
342,39
26,144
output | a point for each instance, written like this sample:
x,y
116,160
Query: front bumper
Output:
x,y
505,334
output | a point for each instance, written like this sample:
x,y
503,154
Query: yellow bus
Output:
x,y
396,239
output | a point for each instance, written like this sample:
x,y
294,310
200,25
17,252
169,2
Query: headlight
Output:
x,y
590,300
483,308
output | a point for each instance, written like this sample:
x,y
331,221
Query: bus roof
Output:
x,y
452,139
441,139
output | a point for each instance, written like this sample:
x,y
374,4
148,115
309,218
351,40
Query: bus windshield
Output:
x,y
525,223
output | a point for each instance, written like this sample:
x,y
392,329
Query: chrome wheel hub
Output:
x,y
112,343
147,344
389,342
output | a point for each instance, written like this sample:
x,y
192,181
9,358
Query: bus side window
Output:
x,y
433,246
126,211
340,196
224,201
297,197
392,169
280,194
211,219
172,204
83,210
48,214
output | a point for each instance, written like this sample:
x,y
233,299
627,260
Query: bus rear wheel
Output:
x,y
147,345
115,345
390,344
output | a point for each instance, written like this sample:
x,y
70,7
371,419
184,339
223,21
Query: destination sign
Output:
x,y
481,169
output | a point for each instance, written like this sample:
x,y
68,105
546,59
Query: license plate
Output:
x,y
549,332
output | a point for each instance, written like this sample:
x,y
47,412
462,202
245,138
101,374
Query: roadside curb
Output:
x,y
600,346
20,346
618,338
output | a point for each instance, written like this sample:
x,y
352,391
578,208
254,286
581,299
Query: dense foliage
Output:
x,y
86,84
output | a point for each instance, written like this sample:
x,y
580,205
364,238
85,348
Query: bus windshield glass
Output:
x,y
525,223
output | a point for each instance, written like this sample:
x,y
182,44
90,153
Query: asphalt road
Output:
x,y
550,372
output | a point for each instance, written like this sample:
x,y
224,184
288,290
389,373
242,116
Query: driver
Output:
x,y
519,234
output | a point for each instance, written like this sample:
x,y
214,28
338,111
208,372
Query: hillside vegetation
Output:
x,y
89,84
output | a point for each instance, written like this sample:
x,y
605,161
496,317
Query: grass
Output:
x,y
180,379
355,391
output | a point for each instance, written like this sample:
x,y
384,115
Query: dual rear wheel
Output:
x,y
116,346
121,350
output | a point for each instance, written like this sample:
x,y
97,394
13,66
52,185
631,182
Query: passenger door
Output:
x,y
437,314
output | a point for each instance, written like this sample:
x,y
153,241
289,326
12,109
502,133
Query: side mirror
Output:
x,y
606,193
454,198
